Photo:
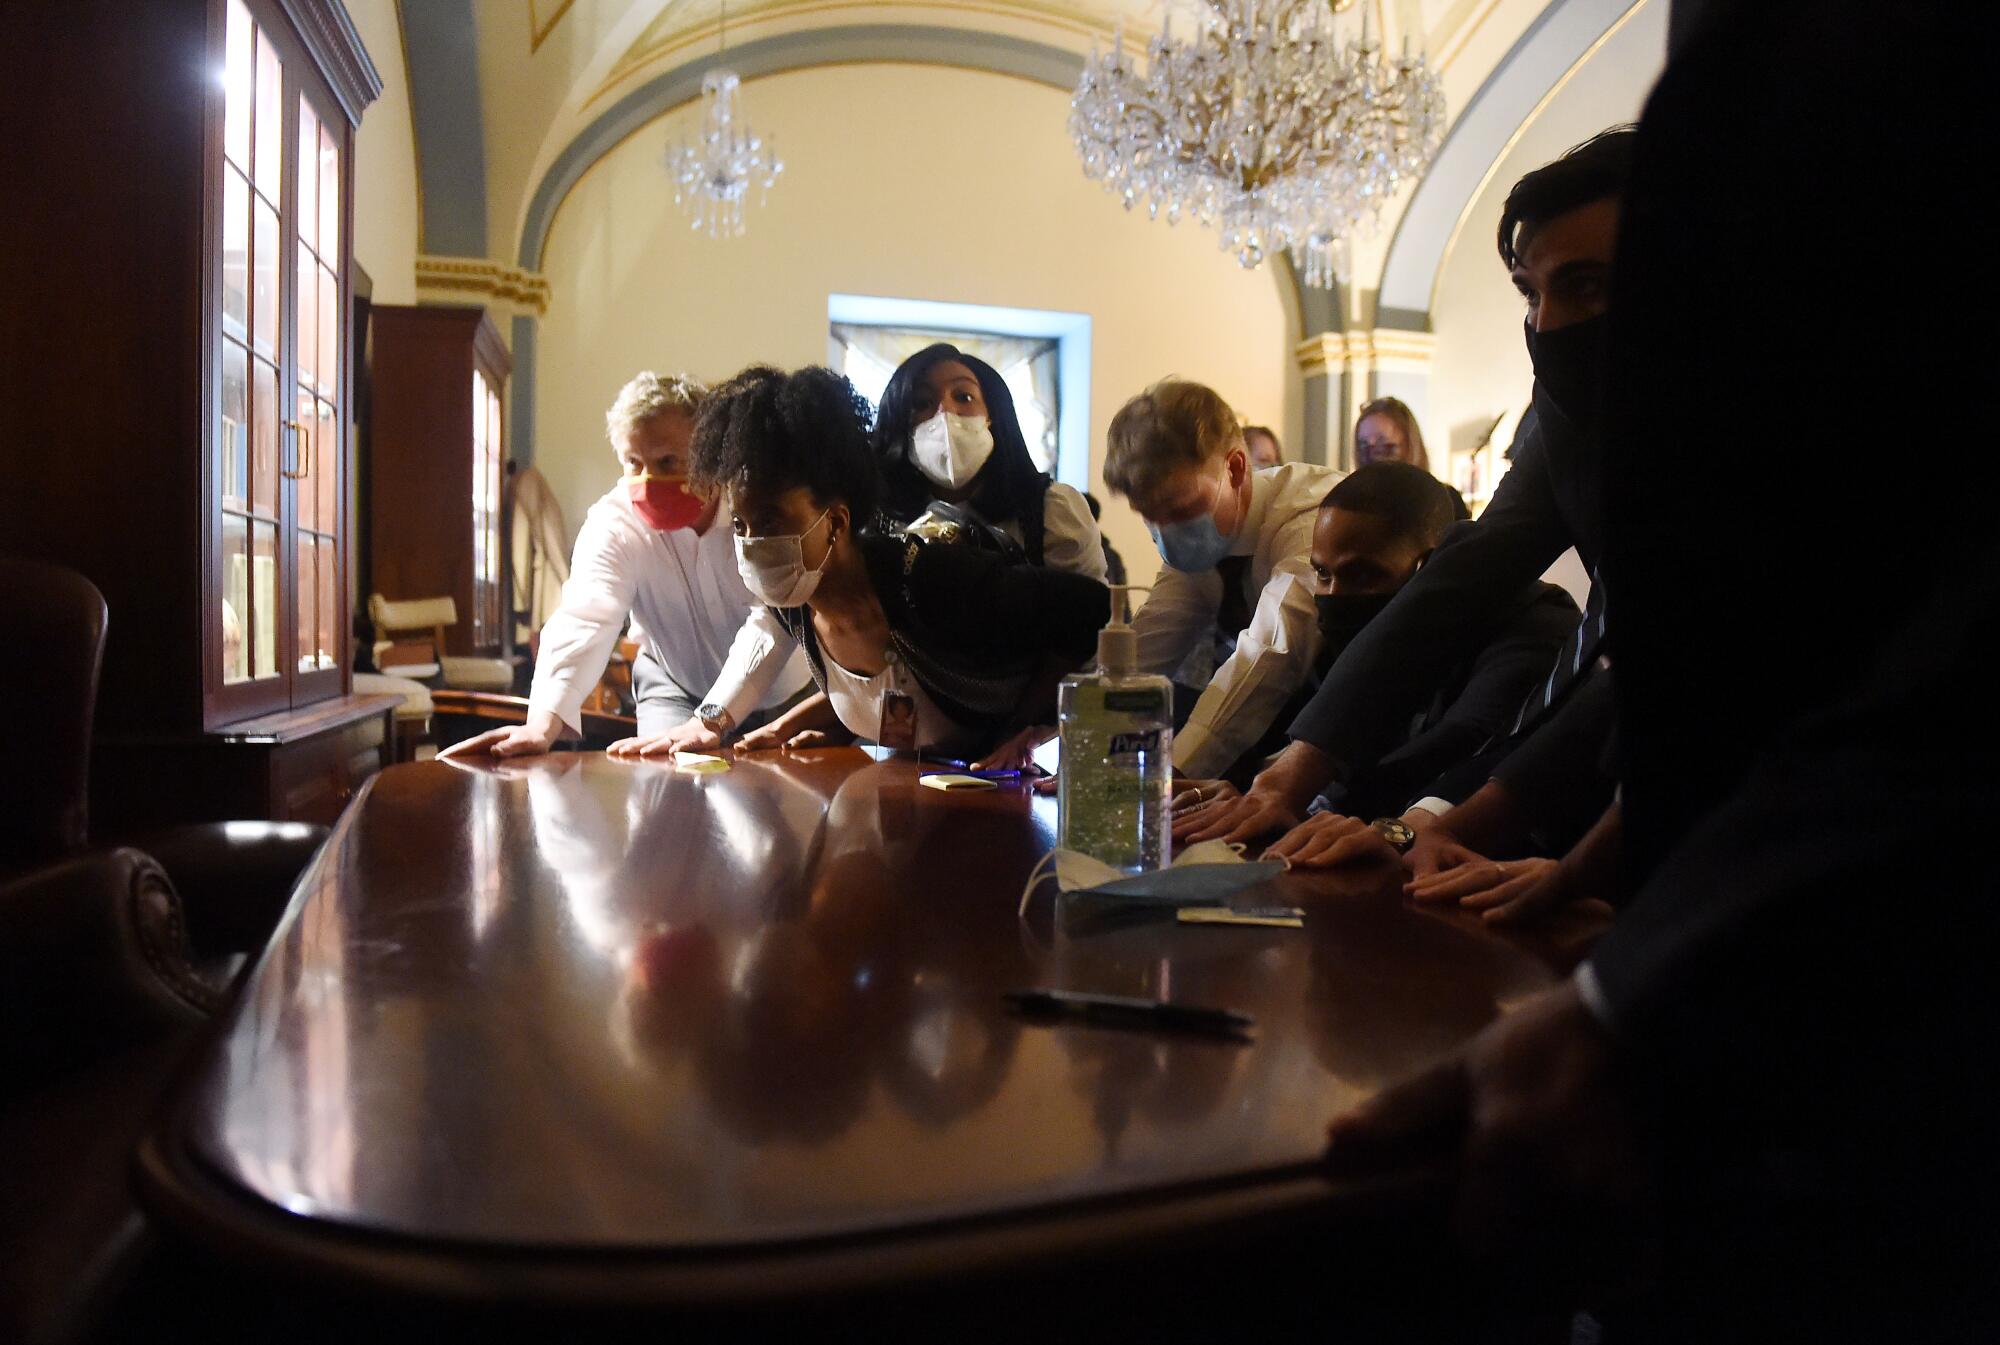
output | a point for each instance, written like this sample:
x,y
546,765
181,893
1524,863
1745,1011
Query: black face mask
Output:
x,y
1341,617
1569,369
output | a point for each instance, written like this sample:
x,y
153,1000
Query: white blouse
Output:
x,y
1071,540
858,702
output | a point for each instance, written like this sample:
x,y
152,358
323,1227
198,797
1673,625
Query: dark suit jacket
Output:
x,y
1560,775
1804,981
1479,699
1549,501
973,627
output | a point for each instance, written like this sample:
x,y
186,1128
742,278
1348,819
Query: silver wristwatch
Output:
x,y
716,718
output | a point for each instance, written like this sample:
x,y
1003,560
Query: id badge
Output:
x,y
899,721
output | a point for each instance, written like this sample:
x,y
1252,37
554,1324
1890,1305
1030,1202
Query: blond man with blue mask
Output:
x,y
650,550
1237,547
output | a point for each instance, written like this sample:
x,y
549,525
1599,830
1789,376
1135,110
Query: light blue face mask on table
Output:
x,y
1207,874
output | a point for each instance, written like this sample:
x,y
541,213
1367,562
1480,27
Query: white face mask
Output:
x,y
950,448
774,568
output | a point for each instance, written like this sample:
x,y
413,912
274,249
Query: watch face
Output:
x,y
1396,831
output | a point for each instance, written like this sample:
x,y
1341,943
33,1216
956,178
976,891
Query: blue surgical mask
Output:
x,y
1194,545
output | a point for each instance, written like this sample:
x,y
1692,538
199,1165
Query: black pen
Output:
x,y
1124,1011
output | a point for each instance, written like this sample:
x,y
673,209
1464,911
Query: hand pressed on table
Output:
x,y
1194,793
1326,840
1016,753
533,738
689,736
1436,850
1505,892
1275,802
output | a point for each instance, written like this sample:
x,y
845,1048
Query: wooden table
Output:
x,y
581,1028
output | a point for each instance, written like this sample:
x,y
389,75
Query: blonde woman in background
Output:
x,y
1386,431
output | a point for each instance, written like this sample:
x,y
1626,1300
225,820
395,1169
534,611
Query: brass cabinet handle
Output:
x,y
305,452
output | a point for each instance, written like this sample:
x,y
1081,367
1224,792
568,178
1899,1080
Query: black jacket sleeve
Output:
x,y
1563,776
1442,617
1483,707
976,605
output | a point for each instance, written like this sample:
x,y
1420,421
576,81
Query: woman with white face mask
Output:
x,y
947,430
941,648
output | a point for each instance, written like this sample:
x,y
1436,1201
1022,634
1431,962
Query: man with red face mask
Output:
x,y
650,549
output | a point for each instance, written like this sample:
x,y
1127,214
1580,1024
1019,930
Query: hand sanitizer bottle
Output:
x,y
1117,754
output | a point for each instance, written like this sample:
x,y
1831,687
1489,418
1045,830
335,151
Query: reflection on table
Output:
x,y
582,1002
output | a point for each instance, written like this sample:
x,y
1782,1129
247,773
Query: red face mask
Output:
x,y
664,501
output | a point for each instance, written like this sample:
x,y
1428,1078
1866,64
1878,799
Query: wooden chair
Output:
x,y
410,642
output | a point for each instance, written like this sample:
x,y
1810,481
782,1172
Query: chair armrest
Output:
x,y
93,957
235,878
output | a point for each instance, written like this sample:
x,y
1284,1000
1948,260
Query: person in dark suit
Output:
x,y
1557,234
1764,1108
1374,533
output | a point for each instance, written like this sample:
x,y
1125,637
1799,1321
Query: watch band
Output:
x,y
1397,832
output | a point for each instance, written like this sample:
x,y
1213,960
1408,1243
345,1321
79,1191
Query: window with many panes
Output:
x,y
280,357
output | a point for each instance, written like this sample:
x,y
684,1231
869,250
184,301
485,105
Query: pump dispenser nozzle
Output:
x,y
1118,643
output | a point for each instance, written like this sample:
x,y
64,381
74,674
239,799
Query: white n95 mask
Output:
x,y
950,449
774,568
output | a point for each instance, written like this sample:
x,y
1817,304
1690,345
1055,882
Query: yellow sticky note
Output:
x,y
949,782
699,763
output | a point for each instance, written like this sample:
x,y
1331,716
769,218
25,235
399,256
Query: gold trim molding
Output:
x,y
1386,349
473,279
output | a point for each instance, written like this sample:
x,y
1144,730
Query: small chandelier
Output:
x,y
1261,127
712,176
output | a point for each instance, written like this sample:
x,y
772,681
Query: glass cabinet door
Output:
x,y
487,455
320,587
278,605
252,349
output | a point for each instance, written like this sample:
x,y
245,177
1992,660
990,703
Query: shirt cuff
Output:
x,y
1431,804
1191,752
1592,995
565,703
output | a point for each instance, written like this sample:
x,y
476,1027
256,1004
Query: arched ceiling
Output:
x,y
543,73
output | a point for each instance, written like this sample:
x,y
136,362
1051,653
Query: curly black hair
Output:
x,y
1009,486
768,431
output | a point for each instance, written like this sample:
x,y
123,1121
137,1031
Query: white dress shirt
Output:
x,y
1071,540
1274,653
689,610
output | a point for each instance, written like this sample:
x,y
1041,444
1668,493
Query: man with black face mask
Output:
x,y
1373,534
1557,235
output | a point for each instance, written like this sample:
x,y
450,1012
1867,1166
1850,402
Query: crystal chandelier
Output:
x,y
712,176
1263,127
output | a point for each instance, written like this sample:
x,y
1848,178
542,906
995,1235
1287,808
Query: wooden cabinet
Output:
x,y
174,392
436,469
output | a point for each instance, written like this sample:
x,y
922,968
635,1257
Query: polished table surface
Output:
x,y
590,1004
